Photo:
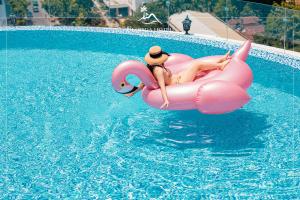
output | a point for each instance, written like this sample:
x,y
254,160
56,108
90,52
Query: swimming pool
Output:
x,y
66,134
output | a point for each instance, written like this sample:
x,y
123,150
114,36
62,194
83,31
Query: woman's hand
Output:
x,y
165,105
158,73
140,87
130,94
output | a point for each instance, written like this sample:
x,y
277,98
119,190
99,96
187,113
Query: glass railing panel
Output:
x,y
288,37
218,8
150,16
17,12
3,67
275,28
252,20
3,20
210,26
36,14
203,20
240,20
202,23
49,13
294,32
69,9
264,24
246,8
244,20
295,23
87,13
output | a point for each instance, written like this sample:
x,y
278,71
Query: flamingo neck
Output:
x,y
145,76
138,69
243,51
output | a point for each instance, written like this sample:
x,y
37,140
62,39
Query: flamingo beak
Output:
x,y
126,89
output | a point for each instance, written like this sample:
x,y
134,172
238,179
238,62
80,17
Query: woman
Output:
x,y
155,60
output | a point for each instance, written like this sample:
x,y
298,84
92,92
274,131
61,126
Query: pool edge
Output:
x,y
282,56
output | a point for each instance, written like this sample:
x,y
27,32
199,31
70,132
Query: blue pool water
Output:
x,y
66,134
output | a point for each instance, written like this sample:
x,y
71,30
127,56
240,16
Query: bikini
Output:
x,y
151,68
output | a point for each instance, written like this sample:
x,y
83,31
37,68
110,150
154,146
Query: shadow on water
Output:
x,y
237,131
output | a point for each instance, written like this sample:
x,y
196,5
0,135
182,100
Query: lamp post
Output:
x,y
187,24
168,6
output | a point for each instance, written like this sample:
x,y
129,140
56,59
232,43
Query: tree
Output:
x,y
224,9
75,12
293,32
248,11
275,27
80,20
283,26
19,7
270,2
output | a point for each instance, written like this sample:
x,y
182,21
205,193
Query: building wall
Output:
x,y
296,2
135,4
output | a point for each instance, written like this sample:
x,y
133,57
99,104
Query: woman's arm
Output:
x,y
158,73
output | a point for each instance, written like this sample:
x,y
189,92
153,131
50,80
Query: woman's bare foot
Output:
x,y
223,64
225,57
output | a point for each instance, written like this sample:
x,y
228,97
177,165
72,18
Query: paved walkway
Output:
x,y
40,18
3,21
204,23
102,13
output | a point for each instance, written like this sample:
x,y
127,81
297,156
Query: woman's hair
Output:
x,y
151,67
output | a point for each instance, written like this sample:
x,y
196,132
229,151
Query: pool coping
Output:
x,y
282,56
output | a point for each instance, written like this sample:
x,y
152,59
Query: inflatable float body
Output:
x,y
213,92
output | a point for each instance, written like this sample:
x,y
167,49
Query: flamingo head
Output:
x,y
243,51
122,86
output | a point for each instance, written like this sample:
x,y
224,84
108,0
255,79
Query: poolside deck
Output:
x,y
204,23
41,17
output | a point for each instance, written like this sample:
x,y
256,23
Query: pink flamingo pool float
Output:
x,y
213,92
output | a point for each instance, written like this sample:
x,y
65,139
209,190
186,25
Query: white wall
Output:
x,y
135,4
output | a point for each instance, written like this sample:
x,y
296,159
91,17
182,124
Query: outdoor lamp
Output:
x,y
187,24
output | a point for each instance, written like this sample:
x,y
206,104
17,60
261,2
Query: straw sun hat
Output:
x,y
156,56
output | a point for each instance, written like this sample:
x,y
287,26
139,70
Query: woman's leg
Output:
x,y
196,66
221,59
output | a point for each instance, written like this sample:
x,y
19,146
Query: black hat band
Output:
x,y
158,55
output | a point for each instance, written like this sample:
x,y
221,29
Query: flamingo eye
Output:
x,y
122,84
